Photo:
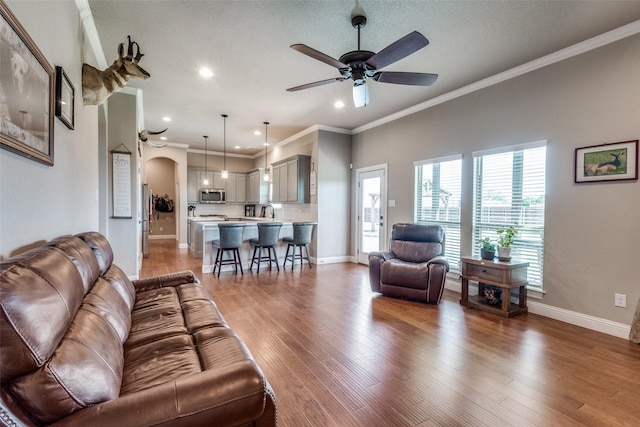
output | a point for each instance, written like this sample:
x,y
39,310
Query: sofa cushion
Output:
x,y
121,283
107,302
41,292
86,369
403,273
82,257
415,251
157,314
158,362
100,247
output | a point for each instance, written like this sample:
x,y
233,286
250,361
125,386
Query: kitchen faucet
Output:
x,y
273,211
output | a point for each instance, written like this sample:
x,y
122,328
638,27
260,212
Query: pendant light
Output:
x,y
205,180
266,145
225,172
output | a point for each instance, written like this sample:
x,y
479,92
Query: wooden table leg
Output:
x,y
522,298
506,300
465,290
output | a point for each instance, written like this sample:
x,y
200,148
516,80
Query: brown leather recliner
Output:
x,y
414,267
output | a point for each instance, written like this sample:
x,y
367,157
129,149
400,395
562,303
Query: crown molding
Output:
x,y
566,53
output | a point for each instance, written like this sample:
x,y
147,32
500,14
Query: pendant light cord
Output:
x,y
224,146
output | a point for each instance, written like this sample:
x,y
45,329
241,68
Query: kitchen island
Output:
x,y
209,232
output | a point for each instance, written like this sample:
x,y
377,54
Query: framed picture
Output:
x,y
65,97
617,161
26,93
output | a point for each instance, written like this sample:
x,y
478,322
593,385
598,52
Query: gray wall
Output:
x,y
592,233
333,194
39,202
125,234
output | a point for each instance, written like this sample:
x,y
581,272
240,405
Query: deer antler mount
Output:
x,y
98,85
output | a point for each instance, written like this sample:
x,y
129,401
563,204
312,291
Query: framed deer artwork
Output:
x,y
27,95
617,161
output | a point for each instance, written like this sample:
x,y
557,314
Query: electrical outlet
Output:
x,y
620,300
162,229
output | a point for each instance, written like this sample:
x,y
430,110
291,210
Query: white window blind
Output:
x,y
437,200
509,189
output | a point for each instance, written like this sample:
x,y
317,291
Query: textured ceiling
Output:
x,y
246,44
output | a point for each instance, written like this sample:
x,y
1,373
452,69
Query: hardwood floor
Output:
x,y
338,355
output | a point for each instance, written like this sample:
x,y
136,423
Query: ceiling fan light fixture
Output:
x,y
225,172
266,176
360,95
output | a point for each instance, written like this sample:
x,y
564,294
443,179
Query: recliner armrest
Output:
x,y
375,261
439,260
165,280
385,255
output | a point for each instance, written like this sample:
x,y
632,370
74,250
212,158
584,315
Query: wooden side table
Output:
x,y
505,274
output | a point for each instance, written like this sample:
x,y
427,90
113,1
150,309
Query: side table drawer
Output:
x,y
484,272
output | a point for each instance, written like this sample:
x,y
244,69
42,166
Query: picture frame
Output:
x,y
27,95
617,161
65,98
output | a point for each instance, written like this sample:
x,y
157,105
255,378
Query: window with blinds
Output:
x,y
509,189
438,185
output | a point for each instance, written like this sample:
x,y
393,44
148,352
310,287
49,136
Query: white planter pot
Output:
x,y
504,253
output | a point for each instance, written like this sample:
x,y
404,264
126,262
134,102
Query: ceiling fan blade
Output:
x,y
315,54
314,84
361,95
402,78
397,50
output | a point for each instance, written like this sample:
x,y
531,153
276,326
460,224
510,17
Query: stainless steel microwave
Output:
x,y
213,195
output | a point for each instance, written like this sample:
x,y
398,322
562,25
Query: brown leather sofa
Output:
x,y
414,267
82,345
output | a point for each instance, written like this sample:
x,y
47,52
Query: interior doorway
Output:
x,y
372,211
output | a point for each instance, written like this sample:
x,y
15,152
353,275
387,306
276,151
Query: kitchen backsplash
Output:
x,y
294,211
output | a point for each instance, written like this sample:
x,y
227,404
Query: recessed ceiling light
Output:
x,y
166,119
338,104
266,143
164,138
257,132
237,147
205,72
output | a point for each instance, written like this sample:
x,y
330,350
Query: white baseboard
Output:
x,y
593,323
162,236
598,324
331,260
183,246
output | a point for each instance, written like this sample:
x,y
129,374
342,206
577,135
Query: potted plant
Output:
x,y
488,248
505,240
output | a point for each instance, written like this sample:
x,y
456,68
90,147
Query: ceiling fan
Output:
x,y
359,65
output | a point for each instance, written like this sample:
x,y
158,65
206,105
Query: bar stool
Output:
x,y
301,238
268,234
230,240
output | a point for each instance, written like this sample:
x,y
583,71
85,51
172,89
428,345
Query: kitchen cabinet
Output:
x,y
193,185
257,187
237,188
214,178
291,179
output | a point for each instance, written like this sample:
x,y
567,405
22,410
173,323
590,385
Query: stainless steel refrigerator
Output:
x,y
147,212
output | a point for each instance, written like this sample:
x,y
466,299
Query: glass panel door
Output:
x,y
371,212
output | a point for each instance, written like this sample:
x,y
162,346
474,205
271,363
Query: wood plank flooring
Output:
x,y
338,355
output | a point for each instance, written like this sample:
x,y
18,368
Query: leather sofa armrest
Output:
x,y
375,261
439,260
165,280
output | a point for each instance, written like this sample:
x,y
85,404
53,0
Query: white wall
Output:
x,y
592,238
39,202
